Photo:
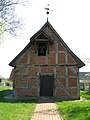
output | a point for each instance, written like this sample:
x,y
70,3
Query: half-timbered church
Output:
x,y
46,67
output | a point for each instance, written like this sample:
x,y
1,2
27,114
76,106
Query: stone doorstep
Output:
x,y
46,100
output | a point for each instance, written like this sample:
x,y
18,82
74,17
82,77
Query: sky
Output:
x,y
70,18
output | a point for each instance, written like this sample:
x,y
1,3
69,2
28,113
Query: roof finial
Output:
x,y
47,8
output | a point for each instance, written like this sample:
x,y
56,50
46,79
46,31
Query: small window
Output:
x,y
42,49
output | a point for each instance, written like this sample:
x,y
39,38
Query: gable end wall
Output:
x,y
58,62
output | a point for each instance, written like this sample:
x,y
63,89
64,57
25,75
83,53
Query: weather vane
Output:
x,y
47,10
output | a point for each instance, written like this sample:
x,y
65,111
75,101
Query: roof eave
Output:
x,y
13,62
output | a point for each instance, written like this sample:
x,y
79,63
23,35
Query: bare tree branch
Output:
x,y
8,20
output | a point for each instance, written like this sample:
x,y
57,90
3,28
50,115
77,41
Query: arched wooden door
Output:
x,y
46,85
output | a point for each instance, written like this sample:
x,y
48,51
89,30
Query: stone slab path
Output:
x,y
46,111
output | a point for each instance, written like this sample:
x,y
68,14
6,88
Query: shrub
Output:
x,y
7,83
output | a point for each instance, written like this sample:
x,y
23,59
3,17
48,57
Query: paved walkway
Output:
x,y
46,111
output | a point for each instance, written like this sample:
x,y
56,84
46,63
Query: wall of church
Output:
x,y
57,62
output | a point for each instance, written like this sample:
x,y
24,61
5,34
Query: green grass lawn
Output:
x,y
15,109
85,94
5,91
75,110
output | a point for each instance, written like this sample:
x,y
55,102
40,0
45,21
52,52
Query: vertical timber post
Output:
x,y
67,86
78,85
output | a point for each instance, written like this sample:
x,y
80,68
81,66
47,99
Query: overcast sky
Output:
x,y
70,18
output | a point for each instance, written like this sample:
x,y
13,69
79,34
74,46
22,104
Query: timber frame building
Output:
x,y
46,67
